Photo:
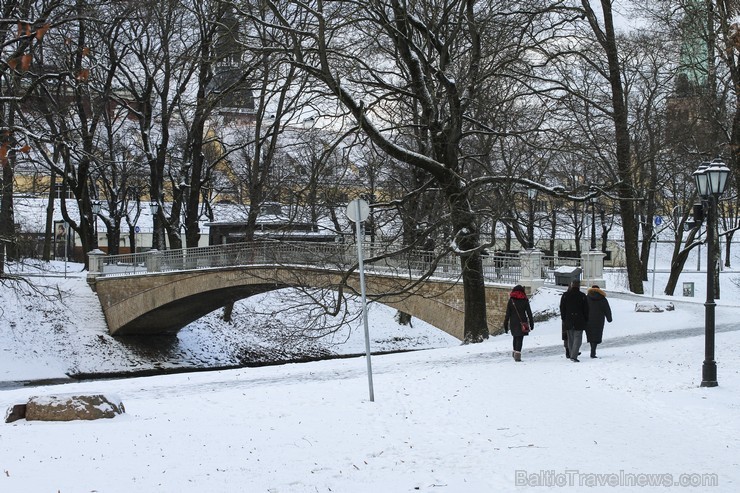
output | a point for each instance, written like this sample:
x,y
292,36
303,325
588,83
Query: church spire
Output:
x,y
694,58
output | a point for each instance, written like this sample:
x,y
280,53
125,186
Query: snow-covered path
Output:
x,y
462,419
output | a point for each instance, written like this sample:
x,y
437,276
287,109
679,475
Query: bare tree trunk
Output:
x,y
647,244
132,240
553,230
474,290
607,39
7,221
728,248
228,310
49,225
679,260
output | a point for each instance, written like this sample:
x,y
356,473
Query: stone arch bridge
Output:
x,y
156,292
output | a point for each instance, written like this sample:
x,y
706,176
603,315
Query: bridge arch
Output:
x,y
167,301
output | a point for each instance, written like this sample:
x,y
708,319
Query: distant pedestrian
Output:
x,y
574,314
598,311
428,251
518,313
498,263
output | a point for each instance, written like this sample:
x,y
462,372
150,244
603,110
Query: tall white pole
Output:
x,y
359,228
66,245
698,259
655,258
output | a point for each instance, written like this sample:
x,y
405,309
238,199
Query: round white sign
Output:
x,y
358,210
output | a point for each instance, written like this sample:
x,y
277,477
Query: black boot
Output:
x,y
593,350
567,351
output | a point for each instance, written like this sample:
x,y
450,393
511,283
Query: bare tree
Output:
x,y
23,26
703,109
599,92
166,74
411,77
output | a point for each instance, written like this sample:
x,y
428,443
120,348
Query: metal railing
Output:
x,y
505,268
551,263
378,257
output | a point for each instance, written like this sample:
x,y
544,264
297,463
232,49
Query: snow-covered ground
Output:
x,y
455,418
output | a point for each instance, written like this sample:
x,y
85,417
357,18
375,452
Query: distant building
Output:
x,y
272,224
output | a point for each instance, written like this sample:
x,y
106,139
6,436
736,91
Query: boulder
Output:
x,y
647,307
18,411
69,407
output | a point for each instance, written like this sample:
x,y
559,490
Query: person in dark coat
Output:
x,y
518,311
574,314
428,252
564,336
598,311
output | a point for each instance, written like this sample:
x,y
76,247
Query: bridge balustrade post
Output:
x,y
95,265
531,277
154,260
592,262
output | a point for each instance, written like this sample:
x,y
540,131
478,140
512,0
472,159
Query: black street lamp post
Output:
x,y
593,223
711,179
154,208
95,210
532,194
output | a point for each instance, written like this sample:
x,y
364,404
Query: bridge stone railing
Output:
x,y
380,258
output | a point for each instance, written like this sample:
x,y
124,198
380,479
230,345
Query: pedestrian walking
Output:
x,y
428,252
518,319
498,263
598,312
574,314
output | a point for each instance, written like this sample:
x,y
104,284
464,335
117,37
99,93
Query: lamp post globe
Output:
x,y
700,178
717,173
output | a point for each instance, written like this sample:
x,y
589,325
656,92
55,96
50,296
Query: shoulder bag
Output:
x,y
525,325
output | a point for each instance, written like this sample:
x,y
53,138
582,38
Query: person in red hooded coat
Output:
x,y
518,311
